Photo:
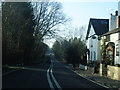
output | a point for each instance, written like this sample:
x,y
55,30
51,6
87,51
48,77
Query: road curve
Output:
x,y
51,75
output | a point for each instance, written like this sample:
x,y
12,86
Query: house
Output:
x,y
110,48
96,28
112,45
111,40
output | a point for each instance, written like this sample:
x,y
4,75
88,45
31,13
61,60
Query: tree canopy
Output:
x,y
24,25
72,51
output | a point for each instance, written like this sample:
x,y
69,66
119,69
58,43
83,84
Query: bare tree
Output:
x,y
48,16
72,32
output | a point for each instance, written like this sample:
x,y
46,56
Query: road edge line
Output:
x,y
3,74
92,80
87,78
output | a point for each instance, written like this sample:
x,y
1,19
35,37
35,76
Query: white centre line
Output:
x,y
55,81
53,78
48,77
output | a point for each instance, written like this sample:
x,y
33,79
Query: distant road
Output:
x,y
50,75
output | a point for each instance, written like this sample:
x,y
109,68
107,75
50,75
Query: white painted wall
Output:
x,y
93,42
115,38
117,58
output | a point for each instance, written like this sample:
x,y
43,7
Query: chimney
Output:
x,y
119,8
116,13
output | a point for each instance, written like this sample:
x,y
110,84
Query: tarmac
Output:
x,y
90,75
102,80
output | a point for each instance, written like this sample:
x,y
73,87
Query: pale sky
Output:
x,y
80,12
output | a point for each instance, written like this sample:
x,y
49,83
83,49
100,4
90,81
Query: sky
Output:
x,y
81,11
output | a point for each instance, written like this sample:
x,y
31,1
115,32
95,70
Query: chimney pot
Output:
x,y
116,13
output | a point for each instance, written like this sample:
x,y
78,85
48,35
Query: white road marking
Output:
x,y
8,72
48,78
53,78
86,78
91,80
13,67
55,81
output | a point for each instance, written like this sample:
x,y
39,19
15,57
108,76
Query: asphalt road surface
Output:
x,y
52,74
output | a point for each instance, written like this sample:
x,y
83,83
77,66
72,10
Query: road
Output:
x,y
52,74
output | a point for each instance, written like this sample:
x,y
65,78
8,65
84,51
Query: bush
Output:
x,y
96,66
118,65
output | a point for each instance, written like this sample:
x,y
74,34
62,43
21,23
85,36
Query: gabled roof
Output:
x,y
100,26
117,30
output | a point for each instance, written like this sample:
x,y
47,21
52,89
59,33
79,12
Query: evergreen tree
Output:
x,y
18,27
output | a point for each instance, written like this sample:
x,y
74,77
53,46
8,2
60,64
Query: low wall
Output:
x,y
83,67
113,72
102,70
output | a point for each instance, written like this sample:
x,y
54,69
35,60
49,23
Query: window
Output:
x,y
119,36
91,55
117,51
119,21
108,38
94,56
93,37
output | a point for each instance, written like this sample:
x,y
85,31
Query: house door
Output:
x,y
110,53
